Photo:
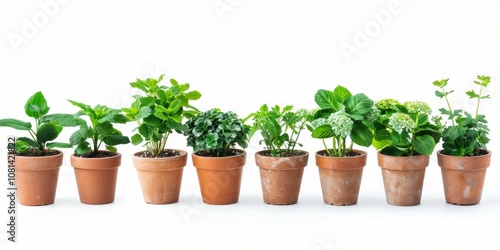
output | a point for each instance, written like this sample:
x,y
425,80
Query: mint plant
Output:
x,y
89,138
342,115
468,134
280,128
159,112
215,133
405,129
45,129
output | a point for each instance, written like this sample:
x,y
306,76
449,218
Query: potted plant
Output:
x,y
37,162
214,136
96,170
342,115
158,113
405,137
281,165
464,157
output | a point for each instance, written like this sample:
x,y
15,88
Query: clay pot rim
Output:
x,y
51,158
439,152
242,153
409,167
266,150
216,163
59,153
182,153
92,162
363,153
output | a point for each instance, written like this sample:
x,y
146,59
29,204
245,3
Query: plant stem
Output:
x,y
448,103
479,100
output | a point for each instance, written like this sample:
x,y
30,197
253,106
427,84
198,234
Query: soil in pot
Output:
x,y
281,177
161,177
403,178
341,177
463,177
220,177
36,178
96,177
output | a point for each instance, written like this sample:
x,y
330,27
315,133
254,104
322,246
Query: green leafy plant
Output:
x,y
46,128
215,133
89,138
280,128
342,115
405,129
468,134
159,112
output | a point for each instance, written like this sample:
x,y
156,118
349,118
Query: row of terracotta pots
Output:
x,y
281,177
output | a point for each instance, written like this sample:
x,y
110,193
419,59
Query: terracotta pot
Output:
x,y
220,177
160,178
403,178
36,178
96,178
463,177
281,177
340,177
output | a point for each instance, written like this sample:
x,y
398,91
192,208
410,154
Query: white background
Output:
x,y
240,56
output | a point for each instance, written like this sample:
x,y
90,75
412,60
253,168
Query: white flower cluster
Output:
x,y
400,122
417,107
340,122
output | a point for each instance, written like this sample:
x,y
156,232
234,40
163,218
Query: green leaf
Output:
x,y
46,132
341,94
36,106
326,100
29,141
322,132
136,139
83,148
64,120
22,146
144,112
105,128
193,95
424,144
15,124
58,145
358,104
361,134
115,139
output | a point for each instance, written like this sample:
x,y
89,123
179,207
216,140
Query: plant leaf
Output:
x,y
15,124
36,106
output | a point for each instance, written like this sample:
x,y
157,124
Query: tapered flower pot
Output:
x,y
340,177
463,177
96,178
403,178
36,178
220,177
160,178
281,177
